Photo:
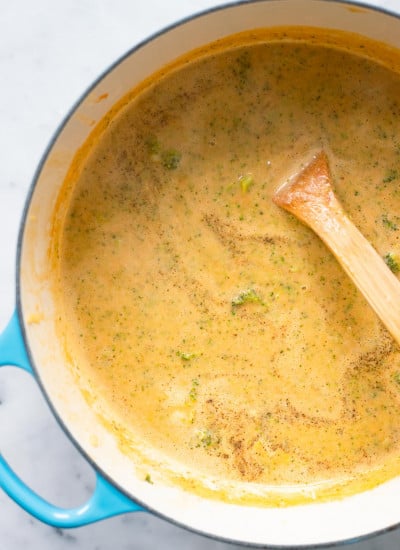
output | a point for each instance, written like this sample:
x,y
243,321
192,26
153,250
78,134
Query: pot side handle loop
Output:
x,y
12,347
106,501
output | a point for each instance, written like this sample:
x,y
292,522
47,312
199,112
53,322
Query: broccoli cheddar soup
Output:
x,y
216,336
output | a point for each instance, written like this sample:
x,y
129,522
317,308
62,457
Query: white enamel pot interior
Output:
x,y
305,525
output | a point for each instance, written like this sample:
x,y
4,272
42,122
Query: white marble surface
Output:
x,y
50,51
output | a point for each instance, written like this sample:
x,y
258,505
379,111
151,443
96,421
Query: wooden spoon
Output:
x,y
310,197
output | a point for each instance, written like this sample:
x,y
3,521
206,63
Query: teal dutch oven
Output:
x,y
35,347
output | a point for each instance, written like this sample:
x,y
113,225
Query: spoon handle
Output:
x,y
310,198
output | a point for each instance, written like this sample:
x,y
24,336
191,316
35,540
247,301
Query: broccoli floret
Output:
x,y
186,356
171,159
153,145
207,438
247,296
246,182
393,262
390,224
148,479
193,391
391,175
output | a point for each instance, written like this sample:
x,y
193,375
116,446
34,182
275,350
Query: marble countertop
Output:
x,y
49,53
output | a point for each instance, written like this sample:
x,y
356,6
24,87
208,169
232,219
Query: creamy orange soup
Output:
x,y
217,336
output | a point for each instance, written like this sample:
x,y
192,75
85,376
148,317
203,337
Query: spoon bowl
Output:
x,y
310,197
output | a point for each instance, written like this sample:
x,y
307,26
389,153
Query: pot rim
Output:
x,y
55,135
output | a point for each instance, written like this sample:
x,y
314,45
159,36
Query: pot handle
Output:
x,y
106,501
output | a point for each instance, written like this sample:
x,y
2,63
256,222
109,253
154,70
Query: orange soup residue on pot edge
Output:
x,y
211,328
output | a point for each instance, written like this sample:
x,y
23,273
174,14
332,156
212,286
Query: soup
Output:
x,y
216,335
